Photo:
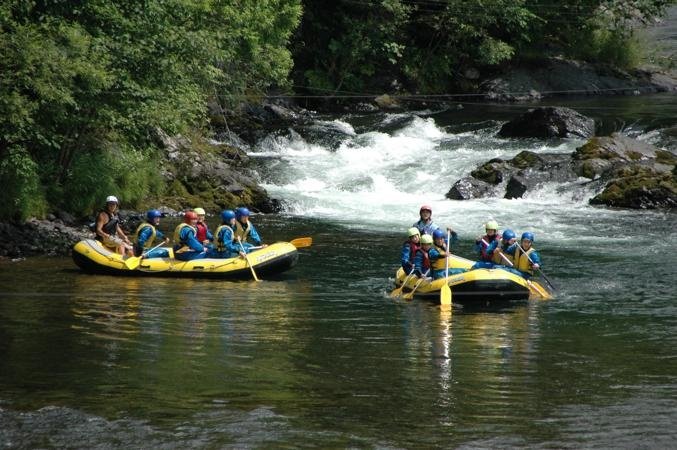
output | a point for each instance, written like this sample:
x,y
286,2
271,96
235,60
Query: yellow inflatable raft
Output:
x,y
93,257
474,285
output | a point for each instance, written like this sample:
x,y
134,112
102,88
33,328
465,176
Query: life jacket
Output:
x,y
181,246
498,259
522,262
241,232
201,234
484,256
149,241
426,259
440,263
220,245
413,248
111,227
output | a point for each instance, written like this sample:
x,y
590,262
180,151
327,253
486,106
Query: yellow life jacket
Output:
x,y
522,261
181,247
496,258
149,241
241,232
220,245
439,263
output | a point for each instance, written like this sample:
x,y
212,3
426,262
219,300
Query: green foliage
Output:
x,y
428,45
84,85
21,196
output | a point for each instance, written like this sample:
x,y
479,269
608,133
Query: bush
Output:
x,y
21,196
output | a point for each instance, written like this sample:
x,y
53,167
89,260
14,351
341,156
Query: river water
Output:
x,y
321,357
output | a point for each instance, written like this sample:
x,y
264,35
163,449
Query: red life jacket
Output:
x,y
201,234
483,248
413,248
426,259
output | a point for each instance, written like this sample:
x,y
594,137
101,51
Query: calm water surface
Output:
x,y
321,357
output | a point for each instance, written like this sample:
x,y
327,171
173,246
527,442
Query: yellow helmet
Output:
x,y
426,239
199,211
413,231
491,225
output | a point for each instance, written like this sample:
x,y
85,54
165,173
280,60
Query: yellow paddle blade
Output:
x,y
302,242
445,295
396,292
132,262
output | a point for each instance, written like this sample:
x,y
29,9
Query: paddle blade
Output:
x,y
132,262
445,295
302,242
396,292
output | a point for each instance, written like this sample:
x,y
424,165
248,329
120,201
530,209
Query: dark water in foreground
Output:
x,y
322,358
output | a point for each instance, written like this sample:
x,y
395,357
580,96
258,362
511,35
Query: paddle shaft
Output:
x,y
445,291
398,290
249,263
512,265
409,295
539,269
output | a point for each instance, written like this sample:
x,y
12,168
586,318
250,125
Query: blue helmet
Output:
x,y
227,215
438,234
153,214
509,234
242,212
528,235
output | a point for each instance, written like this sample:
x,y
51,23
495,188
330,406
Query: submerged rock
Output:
x,y
549,122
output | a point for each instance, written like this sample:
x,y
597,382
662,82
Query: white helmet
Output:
x,y
112,199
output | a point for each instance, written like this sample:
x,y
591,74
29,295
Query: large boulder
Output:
x,y
212,175
635,174
549,122
532,80
513,178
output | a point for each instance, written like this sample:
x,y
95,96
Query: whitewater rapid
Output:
x,y
380,179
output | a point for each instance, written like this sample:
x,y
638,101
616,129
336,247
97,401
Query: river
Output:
x,y
321,357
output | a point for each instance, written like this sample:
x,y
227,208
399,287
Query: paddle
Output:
x,y
539,269
410,295
445,292
302,242
134,261
531,285
398,291
249,263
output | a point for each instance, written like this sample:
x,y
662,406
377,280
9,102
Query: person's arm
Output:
x,y
536,259
254,235
191,241
121,234
101,220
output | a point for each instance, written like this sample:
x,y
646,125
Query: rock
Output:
x,y
637,174
468,188
516,187
385,101
549,122
557,76
491,172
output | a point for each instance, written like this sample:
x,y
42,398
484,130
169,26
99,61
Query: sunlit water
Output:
x,y
321,357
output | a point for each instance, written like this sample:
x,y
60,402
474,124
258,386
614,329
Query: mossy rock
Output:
x,y
490,172
640,188
526,159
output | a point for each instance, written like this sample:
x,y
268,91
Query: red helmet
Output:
x,y
190,215
426,208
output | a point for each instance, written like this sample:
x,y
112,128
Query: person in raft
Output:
x,y
409,248
501,256
425,224
108,230
187,247
225,244
439,266
485,246
203,234
426,256
146,234
245,230
525,256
